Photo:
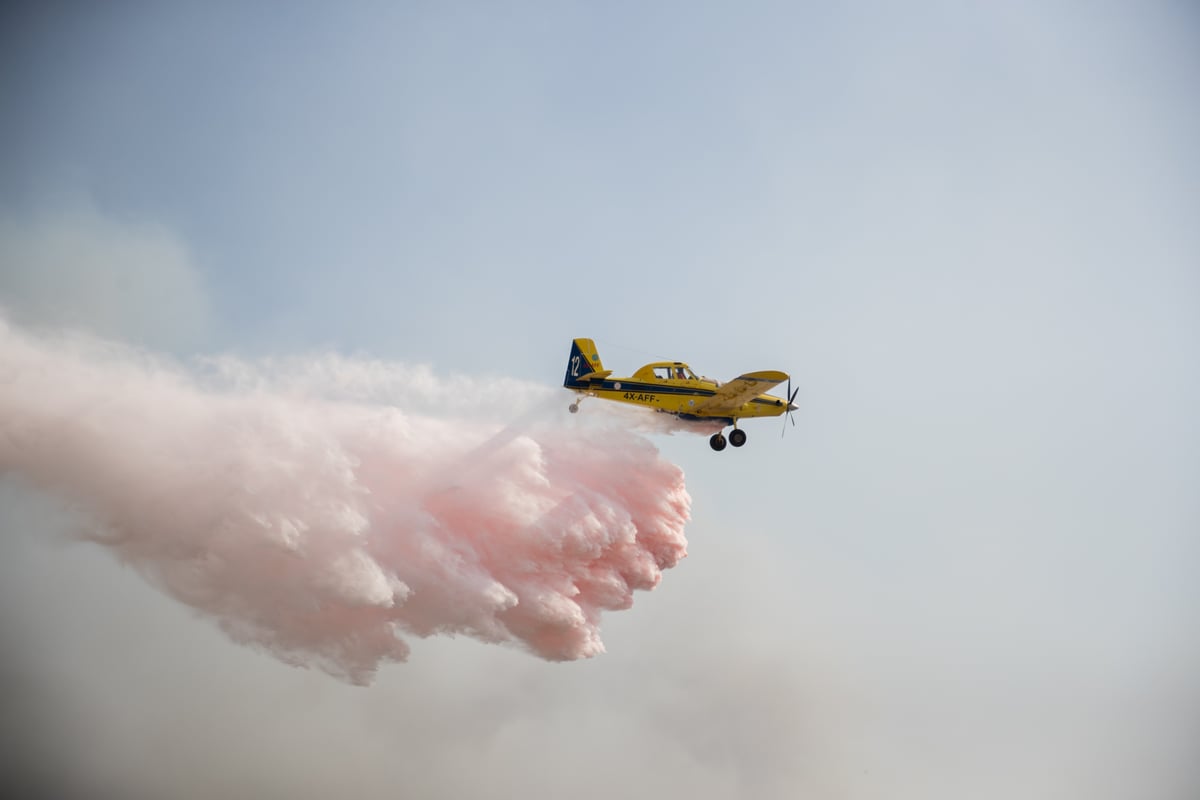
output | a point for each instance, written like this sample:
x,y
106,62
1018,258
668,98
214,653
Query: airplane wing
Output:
x,y
733,395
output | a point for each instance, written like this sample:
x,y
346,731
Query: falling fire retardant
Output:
x,y
293,505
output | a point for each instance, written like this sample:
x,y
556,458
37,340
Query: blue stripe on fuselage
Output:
x,y
643,387
652,388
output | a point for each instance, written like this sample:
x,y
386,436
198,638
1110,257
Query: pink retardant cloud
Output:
x,y
327,528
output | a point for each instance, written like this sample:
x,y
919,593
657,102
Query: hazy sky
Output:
x,y
969,233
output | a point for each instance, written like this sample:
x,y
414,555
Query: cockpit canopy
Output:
x,y
681,372
670,370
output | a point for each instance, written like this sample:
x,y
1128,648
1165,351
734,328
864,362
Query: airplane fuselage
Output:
x,y
678,396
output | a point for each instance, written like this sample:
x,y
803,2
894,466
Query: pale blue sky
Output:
x,y
379,176
969,232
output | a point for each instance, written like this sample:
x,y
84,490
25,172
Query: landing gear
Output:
x,y
573,408
737,438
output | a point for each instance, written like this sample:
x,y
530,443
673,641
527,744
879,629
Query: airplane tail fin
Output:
x,y
584,361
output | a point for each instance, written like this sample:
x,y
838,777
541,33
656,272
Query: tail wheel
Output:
x,y
573,408
717,442
737,437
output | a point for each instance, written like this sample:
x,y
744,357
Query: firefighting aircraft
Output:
x,y
672,388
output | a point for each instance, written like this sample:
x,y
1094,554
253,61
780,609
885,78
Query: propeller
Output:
x,y
790,407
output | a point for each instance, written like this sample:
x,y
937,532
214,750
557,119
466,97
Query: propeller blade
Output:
x,y
786,412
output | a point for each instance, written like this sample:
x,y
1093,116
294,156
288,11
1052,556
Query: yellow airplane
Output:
x,y
672,388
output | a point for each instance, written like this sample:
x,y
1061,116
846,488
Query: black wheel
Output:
x,y
737,437
717,442
573,408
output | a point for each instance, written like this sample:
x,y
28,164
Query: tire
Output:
x,y
737,437
573,408
717,442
